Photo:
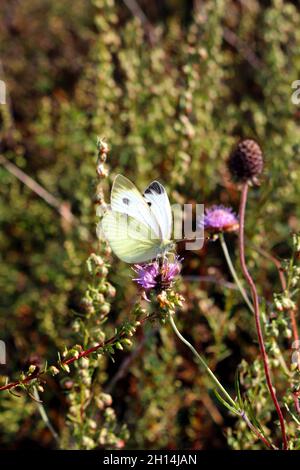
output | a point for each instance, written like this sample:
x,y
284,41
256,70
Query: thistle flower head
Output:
x,y
158,274
146,275
246,162
219,219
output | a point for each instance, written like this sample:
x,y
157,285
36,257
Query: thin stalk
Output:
x,y
244,293
233,272
203,362
255,299
285,287
255,431
44,415
238,411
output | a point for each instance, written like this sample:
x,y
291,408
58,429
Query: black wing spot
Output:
x,y
155,187
126,201
149,204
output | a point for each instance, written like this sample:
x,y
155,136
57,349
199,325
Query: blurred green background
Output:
x,y
171,86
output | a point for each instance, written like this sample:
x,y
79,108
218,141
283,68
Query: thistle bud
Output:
x,y
111,291
106,398
31,369
127,342
53,370
84,363
88,442
104,309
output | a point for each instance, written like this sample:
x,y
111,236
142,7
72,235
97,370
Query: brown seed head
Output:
x,y
246,161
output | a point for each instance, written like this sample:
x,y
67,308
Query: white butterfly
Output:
x,y
138,228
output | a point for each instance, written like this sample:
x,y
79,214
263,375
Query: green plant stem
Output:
x,y
244,293
256,432
233,404
234,273
44,415
203,363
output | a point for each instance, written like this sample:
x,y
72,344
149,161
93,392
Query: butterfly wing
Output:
x,y
126,199
155,195
129,239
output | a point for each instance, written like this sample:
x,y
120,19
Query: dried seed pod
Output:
x,y
246,161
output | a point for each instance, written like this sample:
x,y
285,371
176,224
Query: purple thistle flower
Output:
x,y
157,275
169,271
219,219
147,274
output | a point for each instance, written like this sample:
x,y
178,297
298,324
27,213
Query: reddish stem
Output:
x,y
283,282
292,313
20,382
257,311
256,432
296,401
72,359
284,287
294,327
277,264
